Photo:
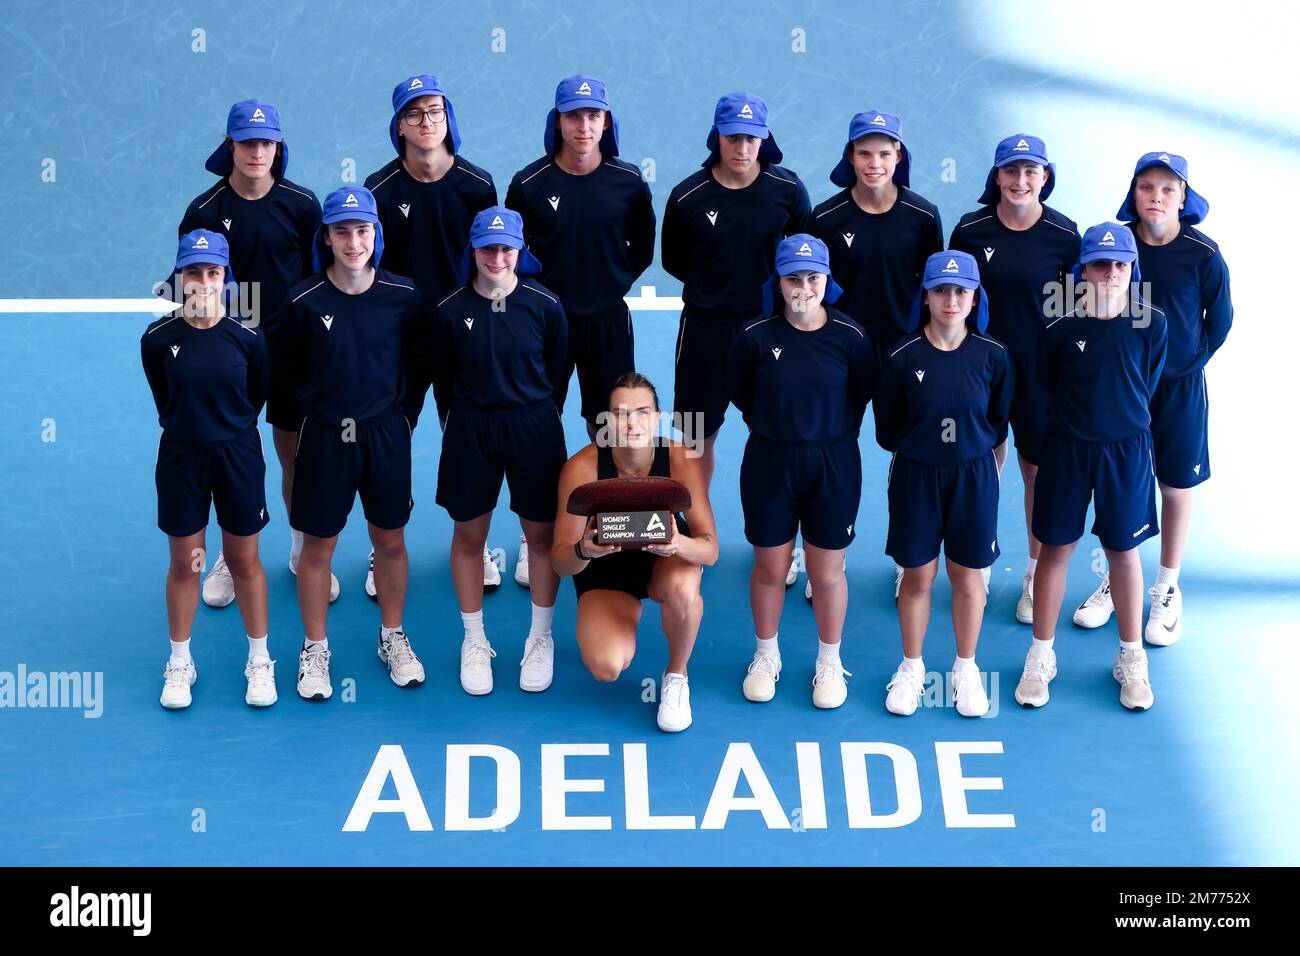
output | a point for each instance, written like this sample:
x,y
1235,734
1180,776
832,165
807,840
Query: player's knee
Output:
x,y
390,547
769,575
824,579
916,583
243,565
681,594
183,570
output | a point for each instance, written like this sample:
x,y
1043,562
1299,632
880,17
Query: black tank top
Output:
x,y
605,467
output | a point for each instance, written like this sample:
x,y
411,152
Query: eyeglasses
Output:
x,y
415,117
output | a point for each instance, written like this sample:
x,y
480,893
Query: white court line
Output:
x,y
647,301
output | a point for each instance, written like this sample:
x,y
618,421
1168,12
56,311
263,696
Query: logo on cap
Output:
x,y
201,242
416,84
496,223
258,116
879,121
1108,239
585,90
952,266
1020,146
804,250
1163,157
745,112
351,200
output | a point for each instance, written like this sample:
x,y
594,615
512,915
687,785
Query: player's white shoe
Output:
x,y
1130,672
538,665
260,674
1165,623
905,689
830,689
219,586
334,582
491,573
793,574
521,565
760,682
1025,606
968,692
476,667
370,578
178,678
404,668
1097,609
674,704
1040,669
314,672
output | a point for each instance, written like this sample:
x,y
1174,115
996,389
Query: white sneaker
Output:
x,y
968,692
1165,623
1130,671
404,668
1097,610
793,574
538,665
370,579
760,682
219,586
1025,606
260,674
491,574
898,580
476,667
905,690
178,678
674,704
521,566
986,574
334,582
830,690
1040,668
314,672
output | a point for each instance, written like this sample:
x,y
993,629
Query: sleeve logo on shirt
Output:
x,y
258,116
1196,469
555,202
712,215
406,209
776,352
226,223
469,322
261,514
988,253
1081,343
994,546
328,320
176,350
920,374
848,239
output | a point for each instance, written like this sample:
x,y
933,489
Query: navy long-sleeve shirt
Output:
x,y
594,234
878,258
209,385
352,357
939,407
794,386
1015,267
721,243
1101,374
426,225
1189,283
497,359
270,238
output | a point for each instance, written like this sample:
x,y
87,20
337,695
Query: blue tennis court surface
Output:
x,y
127,110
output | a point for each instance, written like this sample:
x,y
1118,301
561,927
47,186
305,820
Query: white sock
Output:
x,y
1044,645
1166,576
295,543
386,632
257,647
1130,647
181,650
541,623
1031,566
767,646
962,663
323,643
473,622
828,653
914,663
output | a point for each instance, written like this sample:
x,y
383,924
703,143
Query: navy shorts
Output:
x,y
813,487
699,383
1118,476
1028,407
479,448
952,505
628,571
1180,430
190,477
333,465
601,347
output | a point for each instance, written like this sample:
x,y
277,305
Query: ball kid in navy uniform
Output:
x,y
427,197
1188,280
269,223
721,228
347,343
941,407
879,233
801,376
588,216
1101,363
1023,246
500,357
209,376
